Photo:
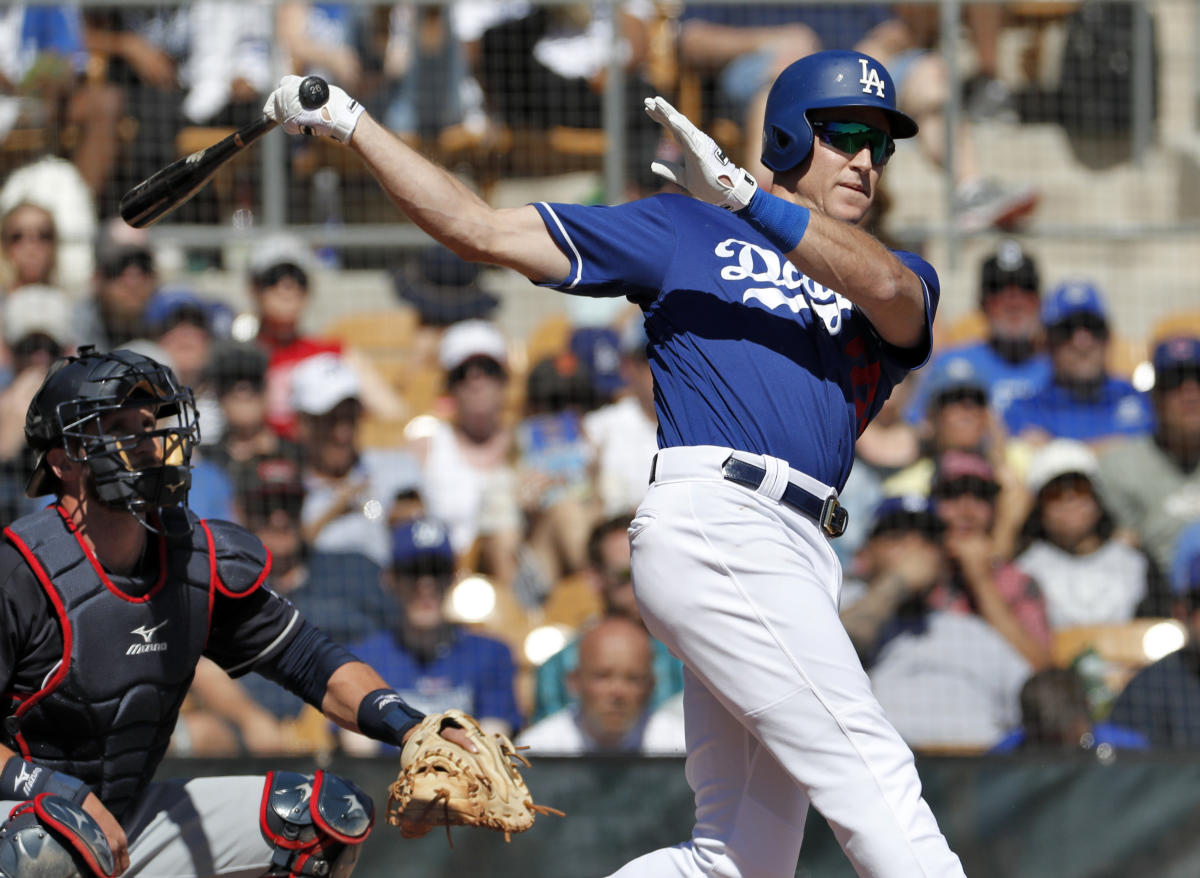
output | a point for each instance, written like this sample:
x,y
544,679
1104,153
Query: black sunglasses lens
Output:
x,y
851,137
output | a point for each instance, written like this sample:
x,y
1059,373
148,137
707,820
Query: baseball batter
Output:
x,y
776,329
109,597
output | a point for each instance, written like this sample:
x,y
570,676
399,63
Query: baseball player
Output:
x,y
776,330
110,596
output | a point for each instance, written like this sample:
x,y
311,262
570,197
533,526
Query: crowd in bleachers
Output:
x,y
452,502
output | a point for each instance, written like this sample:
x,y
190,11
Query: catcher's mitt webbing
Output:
x,y
443,784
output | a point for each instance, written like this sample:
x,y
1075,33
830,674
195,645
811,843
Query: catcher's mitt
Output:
x,y
442,784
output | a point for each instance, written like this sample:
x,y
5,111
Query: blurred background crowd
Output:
x,y
444,460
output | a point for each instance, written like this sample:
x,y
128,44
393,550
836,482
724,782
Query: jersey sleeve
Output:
x,y
614,251
243,562
250,629
30,642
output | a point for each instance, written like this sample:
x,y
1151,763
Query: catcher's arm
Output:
x,y
358,699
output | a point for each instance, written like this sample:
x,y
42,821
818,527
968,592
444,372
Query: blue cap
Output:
x,y
1181,350
1185,568
422,545
909,512
599,350
1070,298
172,305
952,372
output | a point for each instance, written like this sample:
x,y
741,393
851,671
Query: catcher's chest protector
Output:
x,y
315,823
107,712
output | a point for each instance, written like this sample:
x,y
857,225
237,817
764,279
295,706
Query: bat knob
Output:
x,y
314,92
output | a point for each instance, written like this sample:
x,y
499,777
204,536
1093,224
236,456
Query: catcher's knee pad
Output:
x,y
315,823
52,837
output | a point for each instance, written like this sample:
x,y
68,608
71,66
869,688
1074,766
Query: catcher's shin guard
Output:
x,y
52,837
315,823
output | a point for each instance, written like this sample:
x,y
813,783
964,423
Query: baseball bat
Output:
x,y
163,191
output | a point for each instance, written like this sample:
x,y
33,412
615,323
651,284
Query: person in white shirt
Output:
x,y
612,714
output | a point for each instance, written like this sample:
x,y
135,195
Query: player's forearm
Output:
x,y
844,258
346,689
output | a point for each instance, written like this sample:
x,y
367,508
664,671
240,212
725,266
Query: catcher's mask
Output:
x,y
140,468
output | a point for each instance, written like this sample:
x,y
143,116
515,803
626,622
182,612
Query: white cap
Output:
x,y
472,338
37,308
280,249
1058,458
322,381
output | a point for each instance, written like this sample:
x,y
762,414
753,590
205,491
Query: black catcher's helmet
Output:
x,y
67,412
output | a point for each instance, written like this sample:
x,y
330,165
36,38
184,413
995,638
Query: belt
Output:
x,y
826,511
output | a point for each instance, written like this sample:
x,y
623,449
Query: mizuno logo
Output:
x,y
148,643
147,634
26,778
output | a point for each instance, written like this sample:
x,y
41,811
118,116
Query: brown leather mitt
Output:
x,y
443,784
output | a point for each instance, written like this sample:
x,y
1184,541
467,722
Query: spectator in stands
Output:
x,y
28,246
36,321
1162,701
983,579
1055,715
608,573
125,280
554,466
467,481
746,45
548,67
320,39
43,81
1081,399
347,490
1010,360
624,434
237,374
434,663
185,326
943,673
1086,576
613,681
1152,483
280,274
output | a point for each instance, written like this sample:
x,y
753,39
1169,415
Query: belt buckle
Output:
x,y
834,517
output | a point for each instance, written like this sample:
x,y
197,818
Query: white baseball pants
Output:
x,y
779,712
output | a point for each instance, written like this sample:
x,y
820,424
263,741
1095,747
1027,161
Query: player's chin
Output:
x,y
848,204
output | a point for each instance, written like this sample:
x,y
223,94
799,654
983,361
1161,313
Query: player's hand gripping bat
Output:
x,y
159,194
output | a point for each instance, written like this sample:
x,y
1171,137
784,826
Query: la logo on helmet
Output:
x,y
870,78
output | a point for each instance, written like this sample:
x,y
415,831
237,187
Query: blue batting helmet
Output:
x,y
824,79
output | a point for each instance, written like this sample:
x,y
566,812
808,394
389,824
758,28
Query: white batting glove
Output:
x,y
335,118
707,172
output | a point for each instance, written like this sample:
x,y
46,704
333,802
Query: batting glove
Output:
x,y
706,171
335,118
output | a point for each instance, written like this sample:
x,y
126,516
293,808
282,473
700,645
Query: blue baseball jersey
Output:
x,y
747,352
1004,380
1118,410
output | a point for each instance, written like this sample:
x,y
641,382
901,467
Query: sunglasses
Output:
x,y
485,365
961,396
1175,377
115,268
276,273
1091,323
852,137
16,236
967,486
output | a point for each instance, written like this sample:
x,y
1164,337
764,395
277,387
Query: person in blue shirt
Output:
x,y
425,656
1081,399
776,329
1010,360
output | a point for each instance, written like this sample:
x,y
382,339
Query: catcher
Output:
x,y
441,783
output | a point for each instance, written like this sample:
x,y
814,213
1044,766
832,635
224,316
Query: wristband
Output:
x,y
385,716
781,222
21,780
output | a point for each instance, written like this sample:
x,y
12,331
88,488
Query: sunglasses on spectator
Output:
x,y
138,258
15,236
1092,323
1176,377
1069,485
966,486
963,396
486,365
282,271
852,137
